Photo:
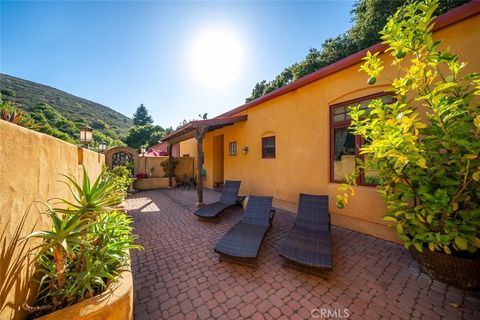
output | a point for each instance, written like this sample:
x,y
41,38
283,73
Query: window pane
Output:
x,y
338,110
268,147
339,117
233,148
343,153
269,142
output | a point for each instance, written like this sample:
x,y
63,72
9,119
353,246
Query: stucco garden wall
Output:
x,y
30,164
146,164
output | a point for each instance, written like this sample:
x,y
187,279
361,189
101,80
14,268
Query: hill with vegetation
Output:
x,y
61,114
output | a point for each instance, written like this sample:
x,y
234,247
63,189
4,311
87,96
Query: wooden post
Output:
x,y
199,137
170,159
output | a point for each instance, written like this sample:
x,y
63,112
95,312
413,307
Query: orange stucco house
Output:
x,y
294,139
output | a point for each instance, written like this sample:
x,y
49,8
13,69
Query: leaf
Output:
x,y
418,246
422,163
477,242
476,176
389,218
447,250
454,206
431,246
461,243
470,156
476,122
399,228
429,218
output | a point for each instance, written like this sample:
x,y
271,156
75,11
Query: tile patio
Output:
x,y
178,276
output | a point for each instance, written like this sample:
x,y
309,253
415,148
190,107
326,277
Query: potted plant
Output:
x,y
169,165
86,250
425,147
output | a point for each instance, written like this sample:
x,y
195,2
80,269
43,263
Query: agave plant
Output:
x,y
87,247
13,116
59,243
91,199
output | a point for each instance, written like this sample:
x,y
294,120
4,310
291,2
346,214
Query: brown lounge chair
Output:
x,y
243,241
228,199
308,244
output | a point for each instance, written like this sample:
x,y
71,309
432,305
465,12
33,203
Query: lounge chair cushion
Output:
x,y
308,247
228,198
211,210
313,212
258,210
230,192
242,240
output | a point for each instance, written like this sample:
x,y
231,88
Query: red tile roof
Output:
x,y
215,122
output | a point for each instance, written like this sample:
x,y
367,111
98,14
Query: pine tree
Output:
x,y
141,116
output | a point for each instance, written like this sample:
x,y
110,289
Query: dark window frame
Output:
x,y
264,154
230,149
358,140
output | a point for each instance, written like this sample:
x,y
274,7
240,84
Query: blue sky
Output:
x,y
123,53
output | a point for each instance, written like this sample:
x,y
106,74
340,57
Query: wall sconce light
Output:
x,y
244,150
86,135
143,150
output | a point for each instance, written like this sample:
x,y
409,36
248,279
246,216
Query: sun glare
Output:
x,y
216,57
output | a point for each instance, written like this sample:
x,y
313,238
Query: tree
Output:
x,y
144,136
429,163
141,116
156,136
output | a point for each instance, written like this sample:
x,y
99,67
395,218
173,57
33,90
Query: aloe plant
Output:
x,y
87,247
90,199
61,240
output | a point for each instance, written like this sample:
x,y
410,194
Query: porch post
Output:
x,y
199,134
170,159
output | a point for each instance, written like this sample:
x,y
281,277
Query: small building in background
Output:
x,y
161,150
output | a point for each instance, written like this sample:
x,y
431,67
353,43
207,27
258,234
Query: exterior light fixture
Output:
x,y
143,150
86,135
244,150
102,146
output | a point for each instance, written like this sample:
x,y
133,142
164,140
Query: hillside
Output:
x,y
27,95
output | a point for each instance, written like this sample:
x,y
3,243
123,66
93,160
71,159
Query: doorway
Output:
x,y
218,161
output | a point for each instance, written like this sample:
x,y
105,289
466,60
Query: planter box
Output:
x,y
151,183
459,272
115,303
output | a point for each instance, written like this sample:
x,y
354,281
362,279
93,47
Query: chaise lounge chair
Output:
x,y
308,244
228,199
242,242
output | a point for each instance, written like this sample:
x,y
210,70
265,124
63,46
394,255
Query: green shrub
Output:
x,y
122,175
429,163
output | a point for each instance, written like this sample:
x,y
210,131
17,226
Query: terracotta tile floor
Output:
x,y
178,276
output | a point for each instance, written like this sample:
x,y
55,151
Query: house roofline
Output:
x,y
454,16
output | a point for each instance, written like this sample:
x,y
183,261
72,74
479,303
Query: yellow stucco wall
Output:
x,y
189,147
300,122
185,166
30,164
